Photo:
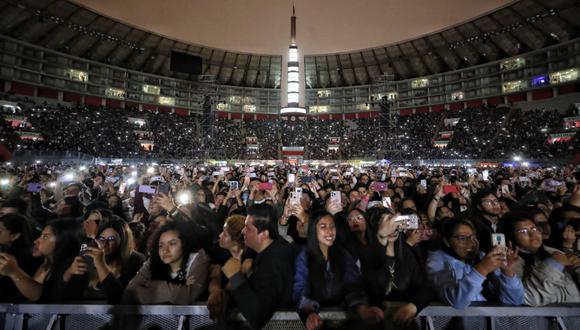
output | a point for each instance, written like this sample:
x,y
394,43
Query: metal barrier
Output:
x,y
52,317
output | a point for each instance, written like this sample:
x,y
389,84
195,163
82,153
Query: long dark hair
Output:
x,y
17,224
316,262
558,223
68,233
189,244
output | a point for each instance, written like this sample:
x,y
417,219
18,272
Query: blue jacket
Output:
x,y
350,291
458,284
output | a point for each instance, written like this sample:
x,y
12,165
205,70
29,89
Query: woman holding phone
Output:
x,y
57,279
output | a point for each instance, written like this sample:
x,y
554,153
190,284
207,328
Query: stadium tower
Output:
x,y
293,114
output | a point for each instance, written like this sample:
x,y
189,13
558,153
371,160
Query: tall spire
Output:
x,y
293,26
293,90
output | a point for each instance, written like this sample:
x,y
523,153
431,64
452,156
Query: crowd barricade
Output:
x,y
434,317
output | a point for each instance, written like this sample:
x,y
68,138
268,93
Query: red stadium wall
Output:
x,y
22,89
542,94
113,103
93,100
47,93
72,97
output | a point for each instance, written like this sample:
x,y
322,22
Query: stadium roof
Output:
x,y
362,39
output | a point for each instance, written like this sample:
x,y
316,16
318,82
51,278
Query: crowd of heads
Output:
x,y
110,231
477,133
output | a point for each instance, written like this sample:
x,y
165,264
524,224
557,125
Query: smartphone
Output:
x,y
146,189
387,202
291,178
84,247
505,189
424,183
163,187
485,175
234,185
294,197
335,197
306,179
450,188
498,239
265,186
380,186
34,187
410,221
112,179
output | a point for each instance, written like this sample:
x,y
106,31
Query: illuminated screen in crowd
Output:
x,y
420,83
222,106
540,80
323,93
318,108
512,64
151,89
78,75
115,92
564,76
457,96
249,108
513,86
166,100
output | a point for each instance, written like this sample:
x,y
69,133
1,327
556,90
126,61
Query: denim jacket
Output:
x,y
458,284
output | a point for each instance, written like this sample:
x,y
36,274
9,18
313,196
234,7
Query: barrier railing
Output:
x,y
52,317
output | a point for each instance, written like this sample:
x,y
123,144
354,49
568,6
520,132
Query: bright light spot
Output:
x,y
68,177
525,164
517,158
38,162
184,197
82,168
134,173
131,181
150,170
5,182
52,184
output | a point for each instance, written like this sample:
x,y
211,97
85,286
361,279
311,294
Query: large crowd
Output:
x,y
256,238
476,133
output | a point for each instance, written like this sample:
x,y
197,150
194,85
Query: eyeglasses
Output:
x,y
490,201
527,231
356,218
465,238
107,239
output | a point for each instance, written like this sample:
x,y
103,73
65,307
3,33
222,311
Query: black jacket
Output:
x,y
410,282
268,287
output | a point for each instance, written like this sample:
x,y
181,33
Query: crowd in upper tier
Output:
x,y
481,133
256,238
